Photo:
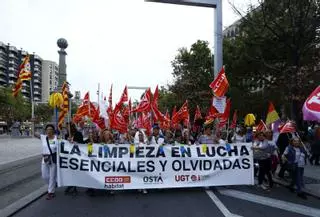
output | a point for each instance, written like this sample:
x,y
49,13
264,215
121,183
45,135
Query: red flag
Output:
x,y
234,120
261,126
182,114
130,106
225,116
124,96
155,97
289,127
212,112
145,103
24,74
86,99
220,84
197,114
117,122
146,118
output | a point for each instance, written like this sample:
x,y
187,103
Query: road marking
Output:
x,y
220,205
280,204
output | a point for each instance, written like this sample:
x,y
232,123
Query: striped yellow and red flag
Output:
x,y
24,74
65,105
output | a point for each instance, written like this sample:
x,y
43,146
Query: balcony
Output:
x,y
36,80
11,82
37,99
36,87
12,48
25,84
2,80
24,53
12,75
12,55
11,69
24,91
3,73
36,93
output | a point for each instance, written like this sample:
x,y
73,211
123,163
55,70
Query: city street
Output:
x,y
221,201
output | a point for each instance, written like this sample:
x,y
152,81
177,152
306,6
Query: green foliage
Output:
x,y
43,113
12,108
275,55
192,75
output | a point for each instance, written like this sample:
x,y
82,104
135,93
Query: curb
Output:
x,y
23,202
286,184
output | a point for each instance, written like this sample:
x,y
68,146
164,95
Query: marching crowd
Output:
x,y
270,151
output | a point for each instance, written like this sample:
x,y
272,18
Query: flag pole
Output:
x,y
32,108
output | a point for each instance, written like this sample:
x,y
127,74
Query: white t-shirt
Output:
x,y
52,142
298,153
238,139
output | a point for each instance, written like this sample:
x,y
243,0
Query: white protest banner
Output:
x,y
138,167
219,103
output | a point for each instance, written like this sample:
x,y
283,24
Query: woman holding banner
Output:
x,y
93,137
140,139
49,143
73,136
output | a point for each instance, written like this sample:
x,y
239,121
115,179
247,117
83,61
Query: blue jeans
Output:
x,y
299,178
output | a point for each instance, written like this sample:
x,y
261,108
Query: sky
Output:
x,y
119,42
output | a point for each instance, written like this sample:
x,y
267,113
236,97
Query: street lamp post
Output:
x,y
218,37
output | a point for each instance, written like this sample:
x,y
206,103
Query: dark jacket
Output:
x,y
291,156
78,138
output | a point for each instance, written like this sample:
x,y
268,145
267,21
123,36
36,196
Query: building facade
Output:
x,y
10,60
50,76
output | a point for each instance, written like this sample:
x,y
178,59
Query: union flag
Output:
x,y
220,84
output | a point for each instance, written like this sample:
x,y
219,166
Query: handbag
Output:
x,y
53,155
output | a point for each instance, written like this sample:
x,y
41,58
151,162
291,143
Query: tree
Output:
x,y
276,53
43,113
192,73
12,108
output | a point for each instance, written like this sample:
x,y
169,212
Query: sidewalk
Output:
x,y
14,149
311,180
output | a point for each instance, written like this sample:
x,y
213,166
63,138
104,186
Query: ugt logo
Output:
x,y
153,179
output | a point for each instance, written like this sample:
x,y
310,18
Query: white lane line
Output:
x,y
220,205
280,204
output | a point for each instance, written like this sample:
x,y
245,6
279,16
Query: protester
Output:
x,y
282,143
73,136
168,139
93,137
106,136
295,155
141,139
262,152
315,148
274,154
178,139
156,137
207,137
187,139
49,159
239,136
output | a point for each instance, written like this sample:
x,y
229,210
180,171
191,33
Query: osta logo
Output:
x,y
116,182
153,179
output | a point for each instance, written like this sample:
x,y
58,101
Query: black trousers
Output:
x,y
265,169
315,158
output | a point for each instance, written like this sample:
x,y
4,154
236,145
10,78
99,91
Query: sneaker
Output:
x,y
50,196
302,195
263,187
144,191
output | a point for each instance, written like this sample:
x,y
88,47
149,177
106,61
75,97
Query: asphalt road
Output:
x,y
197,202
